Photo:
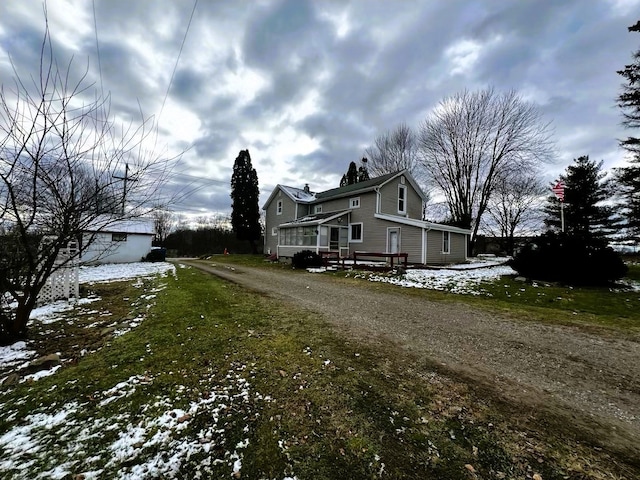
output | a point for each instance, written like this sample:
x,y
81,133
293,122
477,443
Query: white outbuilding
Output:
x,y
119,241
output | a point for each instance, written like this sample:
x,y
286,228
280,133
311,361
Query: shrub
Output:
x,y
569,259
156,254
306,259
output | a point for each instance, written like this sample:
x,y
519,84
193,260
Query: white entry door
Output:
x,y
394,241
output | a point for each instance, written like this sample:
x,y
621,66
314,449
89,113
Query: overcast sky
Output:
x,y
307,86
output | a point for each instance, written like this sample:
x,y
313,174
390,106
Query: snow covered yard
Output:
x,y
462,279
18,355
147,425
118,432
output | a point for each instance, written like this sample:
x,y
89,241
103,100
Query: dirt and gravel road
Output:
x,y
590,379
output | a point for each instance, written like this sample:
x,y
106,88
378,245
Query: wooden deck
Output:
x,y
333,258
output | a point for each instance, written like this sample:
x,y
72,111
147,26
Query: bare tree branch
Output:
x,y
473,138
61,157
515,207
393,151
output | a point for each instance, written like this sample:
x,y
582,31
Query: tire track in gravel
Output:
x,y
589,379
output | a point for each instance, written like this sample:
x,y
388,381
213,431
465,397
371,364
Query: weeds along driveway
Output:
x,y
587,379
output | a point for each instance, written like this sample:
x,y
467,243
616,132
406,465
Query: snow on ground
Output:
x,y
114,272
15,355
462,278
454,280
173,430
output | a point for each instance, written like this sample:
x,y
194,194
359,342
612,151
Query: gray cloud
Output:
x,y
338,73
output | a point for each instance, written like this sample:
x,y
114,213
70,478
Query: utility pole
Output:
x,y
126,178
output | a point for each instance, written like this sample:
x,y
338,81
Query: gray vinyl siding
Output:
x,y
272,219
375,238
457,248
364,213
367,200
389,200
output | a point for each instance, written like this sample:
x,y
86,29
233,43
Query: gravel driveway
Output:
x,y
588,378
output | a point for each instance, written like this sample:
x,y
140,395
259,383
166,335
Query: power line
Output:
x,y
177,59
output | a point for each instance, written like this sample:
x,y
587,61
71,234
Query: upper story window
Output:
x,y
402,199
317,209
279,207
446,242
118,237
354,202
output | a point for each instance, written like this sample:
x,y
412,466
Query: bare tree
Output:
x,y
471,139
164,222
515,207
393,151
66,168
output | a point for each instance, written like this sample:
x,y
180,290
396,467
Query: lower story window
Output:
x,y
307,236
355,232
446,242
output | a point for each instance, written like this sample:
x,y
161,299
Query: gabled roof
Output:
x,y
369,185
356,187
298,195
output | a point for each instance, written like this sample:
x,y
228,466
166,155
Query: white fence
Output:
x,y
64,282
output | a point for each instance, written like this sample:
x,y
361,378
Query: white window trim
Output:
x,y
279,207
402,188
274,231
446,234
354,202
352,240
317,209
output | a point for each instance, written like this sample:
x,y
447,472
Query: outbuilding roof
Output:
x,y
106,224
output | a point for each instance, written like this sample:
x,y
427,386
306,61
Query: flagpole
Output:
x,y
558,191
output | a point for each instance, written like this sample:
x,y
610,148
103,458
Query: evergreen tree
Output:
x,y
585,215
363,173
629,99
628,189
355,174
351,176
245,214
628,178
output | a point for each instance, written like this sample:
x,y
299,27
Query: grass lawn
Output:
x,y
220,383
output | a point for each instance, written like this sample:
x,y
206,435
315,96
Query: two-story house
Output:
x,y
382,215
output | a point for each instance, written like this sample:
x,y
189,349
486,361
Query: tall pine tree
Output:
x,y
355,174
585,213
628,178
245,214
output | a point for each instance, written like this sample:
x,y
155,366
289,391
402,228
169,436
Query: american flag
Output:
x,y
558,190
